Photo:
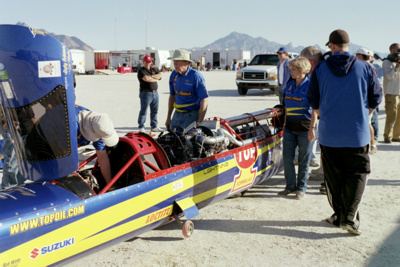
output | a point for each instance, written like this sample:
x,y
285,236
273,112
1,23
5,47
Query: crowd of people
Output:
x,y
330,98
335,99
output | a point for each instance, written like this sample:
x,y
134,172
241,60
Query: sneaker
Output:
x,y
333,220
373,149
141,130
314,163
156,129
322,190
285,192
350,228
396,140
387,140
315,171
300,195
316,177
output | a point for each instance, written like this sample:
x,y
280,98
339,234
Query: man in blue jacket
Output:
x,y
343,91
283,72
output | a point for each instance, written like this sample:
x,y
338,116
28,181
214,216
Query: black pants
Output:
x,y
346,170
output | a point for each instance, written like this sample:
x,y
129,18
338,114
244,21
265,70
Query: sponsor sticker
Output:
x,y
158,215
51,248
45,220
245,160
12,263
178,185
7,89
49,69
3,75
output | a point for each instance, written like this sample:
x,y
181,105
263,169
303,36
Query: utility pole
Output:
x,y
115,25
145,22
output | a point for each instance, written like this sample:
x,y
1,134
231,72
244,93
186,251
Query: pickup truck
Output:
x,y
261,73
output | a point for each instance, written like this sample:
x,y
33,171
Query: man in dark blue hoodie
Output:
x,y
343,91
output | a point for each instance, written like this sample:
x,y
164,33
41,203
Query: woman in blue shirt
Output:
x,y
297,124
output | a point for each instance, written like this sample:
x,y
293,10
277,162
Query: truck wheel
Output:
x,y
242,91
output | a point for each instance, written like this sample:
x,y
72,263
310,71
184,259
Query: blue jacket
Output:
x,y
286,72
343,89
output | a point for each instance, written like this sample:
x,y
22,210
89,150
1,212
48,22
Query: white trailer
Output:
x,y
89,62
78,60
133,58
220,59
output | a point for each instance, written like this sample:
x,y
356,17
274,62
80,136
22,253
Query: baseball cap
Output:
x,y
95,126
338,37
282,50
147,58
363,51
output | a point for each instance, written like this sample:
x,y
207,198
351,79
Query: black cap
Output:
x,y
338,37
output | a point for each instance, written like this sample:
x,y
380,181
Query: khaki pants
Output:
x,y
392,109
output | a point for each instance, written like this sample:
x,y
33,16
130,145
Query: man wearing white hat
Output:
x,y
99,129
365,55
188,94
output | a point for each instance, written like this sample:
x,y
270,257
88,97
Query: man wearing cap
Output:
x,y
283,72
188,94
391,87
378,68
99,129
343,91
148,77
364,54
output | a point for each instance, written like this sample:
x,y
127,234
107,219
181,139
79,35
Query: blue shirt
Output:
x,y
82,141
189,89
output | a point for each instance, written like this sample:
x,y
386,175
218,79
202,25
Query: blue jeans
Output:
x,y
291,140
148,99
180,120
11,175
375,123
281,92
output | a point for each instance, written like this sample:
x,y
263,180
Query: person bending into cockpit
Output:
x,y
99,129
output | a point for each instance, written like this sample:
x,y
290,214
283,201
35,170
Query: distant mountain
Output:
x,y
240,41
70,42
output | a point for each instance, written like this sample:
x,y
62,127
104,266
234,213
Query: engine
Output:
x,y
194,143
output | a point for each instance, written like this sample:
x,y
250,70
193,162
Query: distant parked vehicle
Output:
x,y
260,73
78,61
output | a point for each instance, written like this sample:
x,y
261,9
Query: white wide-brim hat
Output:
x,y
181,55
95,126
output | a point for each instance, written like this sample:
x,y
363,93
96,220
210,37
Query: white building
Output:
x,y
220,59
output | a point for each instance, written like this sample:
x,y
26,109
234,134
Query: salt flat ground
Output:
x,y
259,229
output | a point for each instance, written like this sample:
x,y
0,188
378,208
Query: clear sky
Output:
x,y
173,24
